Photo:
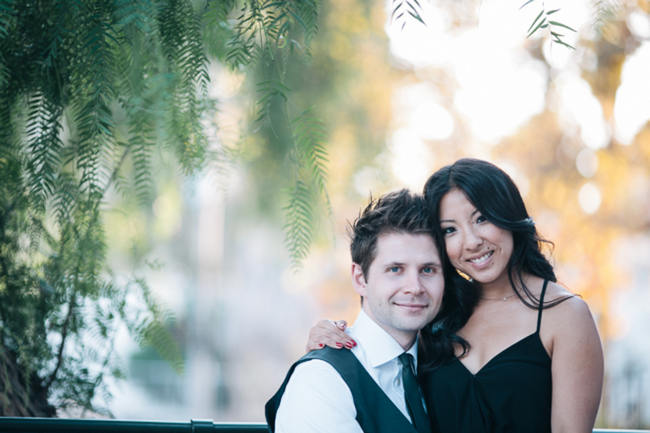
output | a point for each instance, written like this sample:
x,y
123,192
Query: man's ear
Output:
x,y
358,280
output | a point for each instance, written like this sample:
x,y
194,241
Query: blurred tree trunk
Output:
x,y
21,395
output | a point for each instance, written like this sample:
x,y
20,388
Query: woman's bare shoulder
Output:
x,y
571,310
557,292
554,291
568,324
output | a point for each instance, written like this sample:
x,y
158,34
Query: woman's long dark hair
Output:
x,y
496,196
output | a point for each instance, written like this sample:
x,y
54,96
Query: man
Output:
x,y
372,388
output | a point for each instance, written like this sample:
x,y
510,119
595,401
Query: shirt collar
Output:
x,y
379,346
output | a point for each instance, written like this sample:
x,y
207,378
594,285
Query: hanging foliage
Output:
x,y
89,90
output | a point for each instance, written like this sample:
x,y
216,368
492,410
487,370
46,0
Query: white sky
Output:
x,y
632,106
499,86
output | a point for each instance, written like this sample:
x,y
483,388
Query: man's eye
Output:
x,y
428,270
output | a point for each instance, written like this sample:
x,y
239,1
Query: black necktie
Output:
x,y
413,396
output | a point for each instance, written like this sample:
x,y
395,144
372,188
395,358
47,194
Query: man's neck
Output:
x,y
406,339
406,344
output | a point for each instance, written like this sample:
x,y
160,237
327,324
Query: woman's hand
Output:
x,y
330,333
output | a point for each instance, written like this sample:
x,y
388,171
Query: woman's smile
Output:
x,y
480,260
475,245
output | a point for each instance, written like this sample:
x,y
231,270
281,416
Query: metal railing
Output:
x,y
69,425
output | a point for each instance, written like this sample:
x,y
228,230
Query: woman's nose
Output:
x,y
472,239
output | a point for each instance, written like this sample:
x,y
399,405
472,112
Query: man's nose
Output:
x,y
413,284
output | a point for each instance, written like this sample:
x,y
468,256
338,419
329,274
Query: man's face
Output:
x,y
404,286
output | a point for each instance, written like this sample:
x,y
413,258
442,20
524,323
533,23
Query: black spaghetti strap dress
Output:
x,y
509,394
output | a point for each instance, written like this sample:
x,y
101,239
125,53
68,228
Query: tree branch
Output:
x,y
64,335
68,318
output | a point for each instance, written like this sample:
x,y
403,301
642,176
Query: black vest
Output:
x,y
376,413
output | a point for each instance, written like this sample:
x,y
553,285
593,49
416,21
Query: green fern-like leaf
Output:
x,y
150,330
240,53
7,13
142,170
264,26
605,12
7,21
298,222
307,13
156,335
220,9
140,145
65,199
402,9
284,20
93,114
135,14
4,71
244,46
44,146
309,135
267,91
539,21
310,169
543,20
190,72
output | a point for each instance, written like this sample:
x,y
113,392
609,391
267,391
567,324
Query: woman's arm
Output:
x,y
329,333
577,367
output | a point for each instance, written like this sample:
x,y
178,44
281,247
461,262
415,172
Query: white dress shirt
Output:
x,y
317,399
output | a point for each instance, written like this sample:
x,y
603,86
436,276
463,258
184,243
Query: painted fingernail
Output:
x,y
354,343
349,345
320,344
339,344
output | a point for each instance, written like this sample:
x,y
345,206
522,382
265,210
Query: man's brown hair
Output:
x,y
396,212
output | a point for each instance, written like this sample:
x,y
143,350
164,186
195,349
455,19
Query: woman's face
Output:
x,y
474,245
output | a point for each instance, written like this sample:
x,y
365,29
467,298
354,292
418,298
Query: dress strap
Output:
x,y
541,306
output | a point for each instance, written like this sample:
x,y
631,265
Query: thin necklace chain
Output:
x,y
501,298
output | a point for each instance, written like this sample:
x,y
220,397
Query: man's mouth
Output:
x,y
411,305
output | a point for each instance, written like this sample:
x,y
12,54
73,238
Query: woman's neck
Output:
x,y
503,287
497,289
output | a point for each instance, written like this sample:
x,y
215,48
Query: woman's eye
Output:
x,y
481,219
448,230
427,270
393,269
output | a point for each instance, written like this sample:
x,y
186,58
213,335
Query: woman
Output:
x,y
511,350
